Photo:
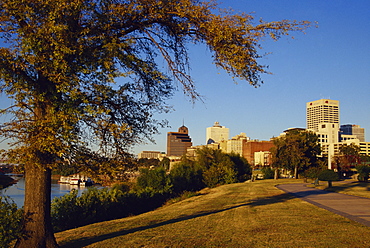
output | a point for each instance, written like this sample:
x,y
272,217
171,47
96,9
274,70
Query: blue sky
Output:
x,y
331,61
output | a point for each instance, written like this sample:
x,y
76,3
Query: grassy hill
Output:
x,y
238,215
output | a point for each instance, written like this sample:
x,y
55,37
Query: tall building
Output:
x,y
354,130
178,142
322,111
216,134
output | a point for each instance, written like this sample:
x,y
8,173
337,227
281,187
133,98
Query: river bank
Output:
x,y
6,181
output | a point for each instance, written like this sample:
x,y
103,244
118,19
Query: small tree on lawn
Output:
x,y
363,173
329,176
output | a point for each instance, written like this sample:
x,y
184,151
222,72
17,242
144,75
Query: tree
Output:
x,y
268,173
329,176
241,166
297,150
165,163
347,158
156,179
186,176
363,172
84,79
221,168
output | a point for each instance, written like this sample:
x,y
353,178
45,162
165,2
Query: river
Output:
x,y
16,191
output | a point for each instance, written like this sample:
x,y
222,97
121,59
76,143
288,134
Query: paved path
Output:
x,y
352,207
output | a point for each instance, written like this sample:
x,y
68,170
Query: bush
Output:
x,y
11,222
186,177
268,173
157,179
94,205
363,173
242,167
66,212
219,174
70,210
328,175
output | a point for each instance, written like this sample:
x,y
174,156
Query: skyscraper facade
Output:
x,y
216,134
354,130
322,111
178,142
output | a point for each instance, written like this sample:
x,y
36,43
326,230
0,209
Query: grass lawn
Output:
x,y
253,214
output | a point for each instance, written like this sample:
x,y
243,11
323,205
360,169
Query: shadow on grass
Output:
x,y
81,242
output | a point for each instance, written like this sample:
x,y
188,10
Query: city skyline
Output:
x,y
328,62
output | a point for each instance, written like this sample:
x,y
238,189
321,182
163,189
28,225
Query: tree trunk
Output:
x,y
37,223
296,172
276,174
330,184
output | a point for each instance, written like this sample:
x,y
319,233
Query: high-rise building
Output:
x,y
320,112
354,130
178,142
216,134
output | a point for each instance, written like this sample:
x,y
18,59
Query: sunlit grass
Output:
x,y
253,214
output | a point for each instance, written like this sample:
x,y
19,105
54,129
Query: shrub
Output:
x,y
70,211
219,174
94,205
363,173
65,212
186,177
241,166
312,173
267,172
11,221
328,175
157,179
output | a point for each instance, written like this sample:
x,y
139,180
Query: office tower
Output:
x,y
216,134
178,142
354,130
320,112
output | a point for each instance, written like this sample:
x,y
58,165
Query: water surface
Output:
x,y
16,191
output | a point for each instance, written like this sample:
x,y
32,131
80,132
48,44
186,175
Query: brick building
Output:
x,y
178,142
250,147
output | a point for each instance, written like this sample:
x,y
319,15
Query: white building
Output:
x,y
323,118
149,154
235,144
333,148
322,111
216,134
261,158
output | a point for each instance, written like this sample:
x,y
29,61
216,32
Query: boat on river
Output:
x,y
76,179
